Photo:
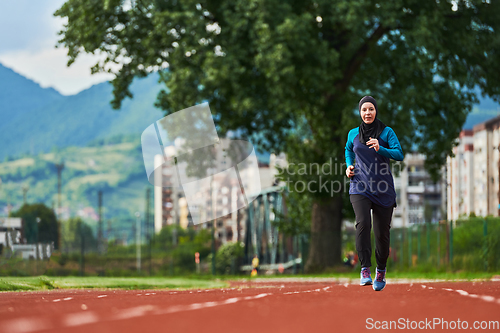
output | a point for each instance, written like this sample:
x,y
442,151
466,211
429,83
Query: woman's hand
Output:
x,y
373,143
349,171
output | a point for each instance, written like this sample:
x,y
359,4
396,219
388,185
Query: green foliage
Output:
x,y
74,231
265,64
289,74
297,220
228,258
181,256
491,255
46,230
473,251
468,236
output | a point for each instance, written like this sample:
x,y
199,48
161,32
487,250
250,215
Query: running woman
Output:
x,y
372,145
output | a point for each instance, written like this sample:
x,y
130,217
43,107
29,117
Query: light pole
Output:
x,y
38,220
59,168
138,240
25,189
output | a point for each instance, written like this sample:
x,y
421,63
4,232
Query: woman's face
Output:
x,y
368,112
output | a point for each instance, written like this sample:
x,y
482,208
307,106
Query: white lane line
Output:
x,y
197,306
56,300
486,298
67,298
80,318
26,325
137,311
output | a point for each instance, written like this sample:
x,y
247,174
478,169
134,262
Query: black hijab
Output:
x,y
372,130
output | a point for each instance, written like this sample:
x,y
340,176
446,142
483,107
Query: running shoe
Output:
x,y
366,277
379,283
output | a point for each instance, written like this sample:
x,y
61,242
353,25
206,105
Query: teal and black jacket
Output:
x,y
372,173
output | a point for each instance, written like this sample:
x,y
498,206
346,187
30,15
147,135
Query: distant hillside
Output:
x,y
34,119
19,95
114,167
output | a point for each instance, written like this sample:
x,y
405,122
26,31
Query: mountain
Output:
x,y
114,167
34,119
19,95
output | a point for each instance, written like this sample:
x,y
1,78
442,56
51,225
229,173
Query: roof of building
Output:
x,y
493,123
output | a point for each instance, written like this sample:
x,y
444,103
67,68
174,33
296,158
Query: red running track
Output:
x,y
255,307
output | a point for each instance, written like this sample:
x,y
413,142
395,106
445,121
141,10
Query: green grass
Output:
x,y
47,283
71,282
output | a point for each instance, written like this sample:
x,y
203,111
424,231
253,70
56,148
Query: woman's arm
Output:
x,y
349,152
394,151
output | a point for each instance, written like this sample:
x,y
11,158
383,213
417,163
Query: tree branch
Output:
x,y
359,56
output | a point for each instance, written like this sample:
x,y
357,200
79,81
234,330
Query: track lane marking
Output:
x,y
486,298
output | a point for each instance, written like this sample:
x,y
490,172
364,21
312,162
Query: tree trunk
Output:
x,y
325,248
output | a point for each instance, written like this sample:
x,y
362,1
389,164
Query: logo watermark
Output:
x,y
183,151
331,178
431,324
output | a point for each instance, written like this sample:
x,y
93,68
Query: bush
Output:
x,y
228,258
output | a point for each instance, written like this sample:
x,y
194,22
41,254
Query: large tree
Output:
x,y
40,223
293,72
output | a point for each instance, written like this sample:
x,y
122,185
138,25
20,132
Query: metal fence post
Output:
x,y
402,247
428,231
438,254
418,243
485,244
451,243
409,246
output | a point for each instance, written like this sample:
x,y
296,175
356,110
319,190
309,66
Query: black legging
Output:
x,y
381,228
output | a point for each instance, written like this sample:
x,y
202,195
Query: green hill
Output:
x,y
34,119
19,95
114,166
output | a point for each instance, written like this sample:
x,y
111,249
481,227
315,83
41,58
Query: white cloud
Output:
x,y
48,68
27,45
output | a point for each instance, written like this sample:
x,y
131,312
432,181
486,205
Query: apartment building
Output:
x,y
222,198
419,199
460,177
474,172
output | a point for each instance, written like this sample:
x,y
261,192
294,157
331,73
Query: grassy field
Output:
x,y
48,283
205,281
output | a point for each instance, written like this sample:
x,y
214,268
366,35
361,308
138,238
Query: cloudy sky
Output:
x,y
27,45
